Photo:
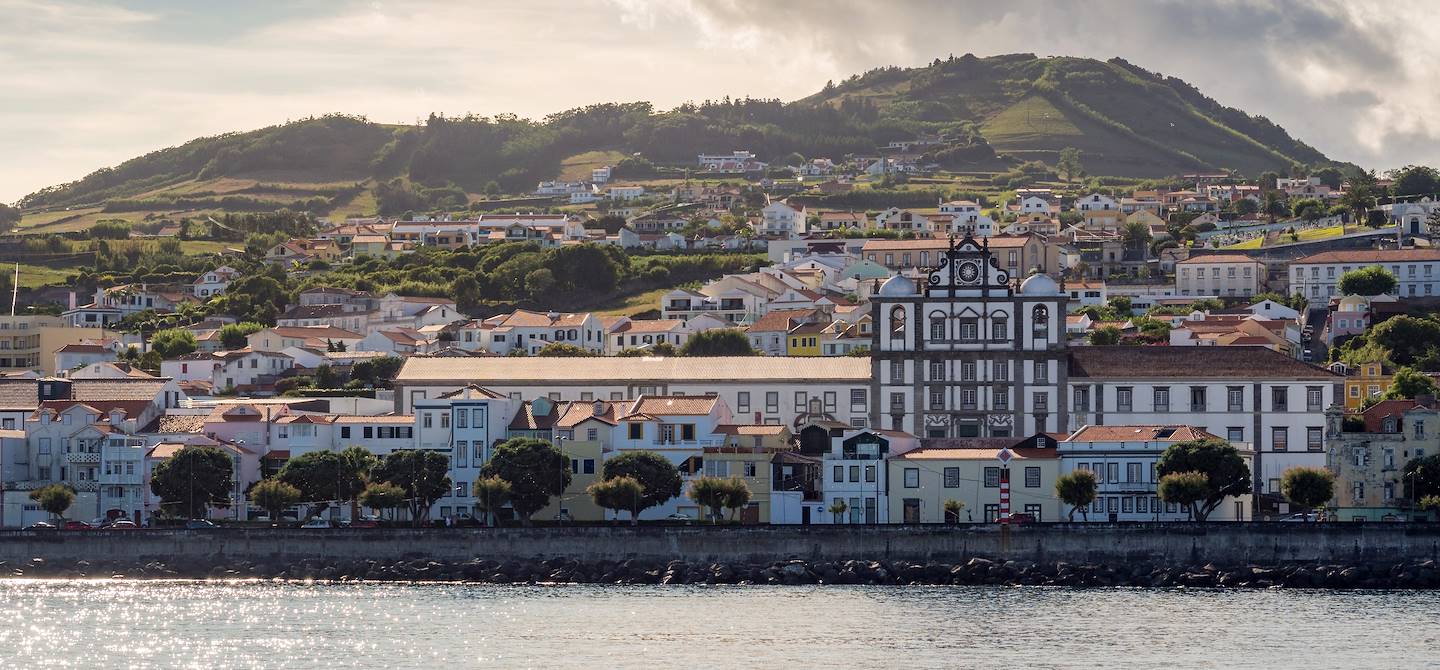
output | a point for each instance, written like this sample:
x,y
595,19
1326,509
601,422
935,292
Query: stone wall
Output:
x,y
1106,544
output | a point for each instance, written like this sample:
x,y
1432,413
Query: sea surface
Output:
x,y
56,624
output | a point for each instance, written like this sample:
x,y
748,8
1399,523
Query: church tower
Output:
x,y
969,354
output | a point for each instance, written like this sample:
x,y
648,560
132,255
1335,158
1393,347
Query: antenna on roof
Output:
x,y
15,290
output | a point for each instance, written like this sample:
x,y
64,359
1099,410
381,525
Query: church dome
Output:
x,y
897,287
1039,284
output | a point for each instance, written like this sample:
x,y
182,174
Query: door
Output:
x,y
750,514
912,510
804,515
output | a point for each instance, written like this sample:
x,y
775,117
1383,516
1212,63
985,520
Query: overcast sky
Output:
x,y
84,85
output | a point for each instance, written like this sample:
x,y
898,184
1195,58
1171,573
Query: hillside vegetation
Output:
x,y
1127,121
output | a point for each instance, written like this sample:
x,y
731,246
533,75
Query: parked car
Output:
x,y
76,524
365,522
41,525
1302,516
122,524
318,523
680,517
199,524
1022,517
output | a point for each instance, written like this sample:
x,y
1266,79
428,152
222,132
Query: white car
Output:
x,y
318,523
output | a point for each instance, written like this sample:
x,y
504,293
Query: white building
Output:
x,y
214,282
1096,202
968,218
625,192
1318,276
779,219
1219,274
1123,458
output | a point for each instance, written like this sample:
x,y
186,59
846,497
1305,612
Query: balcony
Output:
x,y
83,457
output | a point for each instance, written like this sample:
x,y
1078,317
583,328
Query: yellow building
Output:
x,y
748,453
29,342
575,504
1364,381
804,339
922,480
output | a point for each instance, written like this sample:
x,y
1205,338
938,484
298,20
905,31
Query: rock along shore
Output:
x,y
975,571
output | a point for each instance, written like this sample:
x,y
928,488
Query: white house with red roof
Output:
x,y
213,282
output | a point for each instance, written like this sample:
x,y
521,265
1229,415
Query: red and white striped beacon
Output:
x,y
1004,456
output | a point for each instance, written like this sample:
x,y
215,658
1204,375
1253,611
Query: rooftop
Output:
x,y
1237,363
501,369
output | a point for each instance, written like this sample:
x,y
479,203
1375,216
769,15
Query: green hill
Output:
x,y
1128,122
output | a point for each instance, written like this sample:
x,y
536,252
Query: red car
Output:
x,y
1022,518
77,525
365,523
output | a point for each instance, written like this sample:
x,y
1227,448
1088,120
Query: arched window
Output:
x,y
1041,319
937,326
897,323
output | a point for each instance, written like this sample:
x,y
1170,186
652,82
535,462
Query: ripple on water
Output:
x,y
133,624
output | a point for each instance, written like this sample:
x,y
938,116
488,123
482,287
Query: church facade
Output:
x,y
973,354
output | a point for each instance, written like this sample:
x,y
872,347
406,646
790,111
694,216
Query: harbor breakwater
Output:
x,y
1334,555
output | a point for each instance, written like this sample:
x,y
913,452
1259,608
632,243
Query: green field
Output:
x,y
578,167
363,204
1031,120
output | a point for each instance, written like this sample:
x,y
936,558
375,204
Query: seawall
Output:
x,y
1175,544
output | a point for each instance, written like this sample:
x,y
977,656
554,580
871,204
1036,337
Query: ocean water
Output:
x,y
56,624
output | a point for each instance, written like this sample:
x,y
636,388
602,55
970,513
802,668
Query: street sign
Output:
x,y
1004,455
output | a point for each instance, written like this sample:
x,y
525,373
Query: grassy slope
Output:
x,y
578,167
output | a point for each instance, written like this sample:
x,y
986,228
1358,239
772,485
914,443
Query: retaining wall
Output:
x,y
1177,543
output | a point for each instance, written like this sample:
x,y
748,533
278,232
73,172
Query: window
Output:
x,y
897,372
999,329
1197,398
830,404
1314,438
937,329
1132,473
1040,318
742,401
937,370
937,398
855,473
1032,477
992,478
967,371
969,331
897,402
1142,505
912,478
772,401
968,398
637,431
589,466
1112,504
952,478
1112,473
1001,399
839,473
1123,398
1313,398
1235,434
800,398
344,432
1002,371
1042,371
1279,398
857,398
1419,429
749,468
462,419
1235,398
1162,399
1279,438
462,453
1082,399
1041,401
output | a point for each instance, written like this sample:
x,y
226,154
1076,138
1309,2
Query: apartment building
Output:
x,y
1318,276
1226,275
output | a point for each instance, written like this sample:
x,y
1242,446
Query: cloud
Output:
x,y
90,84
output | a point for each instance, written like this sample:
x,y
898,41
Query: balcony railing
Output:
x,y
82,457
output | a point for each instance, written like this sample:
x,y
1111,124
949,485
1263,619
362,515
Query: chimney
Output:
x,y
72,300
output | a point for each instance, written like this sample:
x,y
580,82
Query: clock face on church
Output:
x,y
969,272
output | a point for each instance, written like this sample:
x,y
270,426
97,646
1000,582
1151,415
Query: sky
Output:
x,y
88,84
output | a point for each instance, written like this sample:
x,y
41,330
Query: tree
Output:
x,y
54,498
1429,503
316,475
1106,335
1069,163
737,495
232,335
421,474
9,215
659,479
1136,234
1410,383
1410,340
355,465
536,470
1225,471
194,478
491,495
1077,489
1187,489
718,342
1273,205
1329,176
1308,488
274,495
619,493
562,350
710,493
953,508
1422,477
383,496
1367,281
325,378
173,342
1416,180
837,508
